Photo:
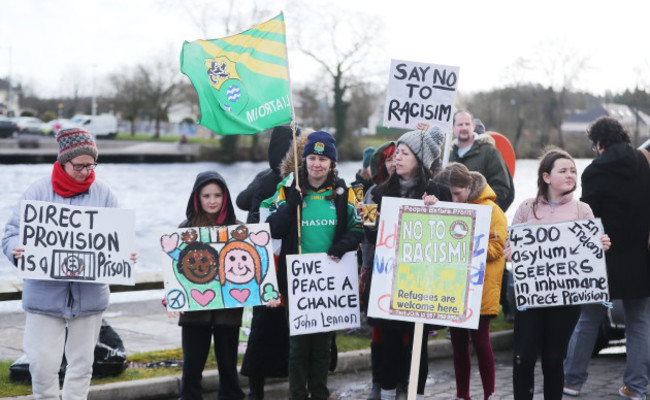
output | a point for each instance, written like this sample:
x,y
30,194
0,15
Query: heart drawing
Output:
x,y
240,295
203,298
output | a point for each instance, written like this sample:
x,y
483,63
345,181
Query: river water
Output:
x,y
159,192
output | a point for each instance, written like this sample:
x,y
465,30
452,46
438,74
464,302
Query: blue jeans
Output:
x,y
637,346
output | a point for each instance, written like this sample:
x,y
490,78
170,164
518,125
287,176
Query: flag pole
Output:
x,y
293,132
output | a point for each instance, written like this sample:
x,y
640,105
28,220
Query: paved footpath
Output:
x,y
144,326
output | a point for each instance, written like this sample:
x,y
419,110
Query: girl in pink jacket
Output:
x,y
545,331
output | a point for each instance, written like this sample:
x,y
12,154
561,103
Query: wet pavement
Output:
x,y
144,326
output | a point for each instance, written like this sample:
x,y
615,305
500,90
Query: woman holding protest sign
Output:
x,y
329,224
546,331
471,187
209,204
51,306
382,165
416,152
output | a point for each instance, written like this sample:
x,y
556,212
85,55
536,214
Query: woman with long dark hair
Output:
x,y
330,224
416,153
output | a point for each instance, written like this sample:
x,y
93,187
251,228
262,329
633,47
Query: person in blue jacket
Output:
x,y
52,306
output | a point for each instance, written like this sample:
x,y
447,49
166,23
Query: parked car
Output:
x,y
104,125
52,127
7,127
28,124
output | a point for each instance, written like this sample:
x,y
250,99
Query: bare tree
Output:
x,y
161,81
562,66
128,98
341,42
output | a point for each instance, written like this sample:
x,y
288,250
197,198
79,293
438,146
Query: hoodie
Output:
x,y
231,316
482,194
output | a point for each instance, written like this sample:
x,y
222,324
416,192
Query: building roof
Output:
x,y
587,116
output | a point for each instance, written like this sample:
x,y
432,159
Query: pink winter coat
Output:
x,y
565,210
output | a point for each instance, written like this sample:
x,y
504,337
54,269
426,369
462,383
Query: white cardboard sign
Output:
x,y
419,92
323,294
558,264
73,243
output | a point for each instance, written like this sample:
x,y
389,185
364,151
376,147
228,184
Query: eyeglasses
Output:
x,y
81,167
594,148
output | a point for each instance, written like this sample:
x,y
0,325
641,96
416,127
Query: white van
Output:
x,y
104,125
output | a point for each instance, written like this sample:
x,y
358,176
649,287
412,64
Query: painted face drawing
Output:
x,y
198,262
72,266
241,263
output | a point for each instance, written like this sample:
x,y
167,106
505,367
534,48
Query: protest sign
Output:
x,y
419,92
558,264
218,267
430,262
323,294
73,243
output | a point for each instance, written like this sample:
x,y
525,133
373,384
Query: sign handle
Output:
x,y
415,360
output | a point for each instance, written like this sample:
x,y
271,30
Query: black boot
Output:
x,y
375,364
256,387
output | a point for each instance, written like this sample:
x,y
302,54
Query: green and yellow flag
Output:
x,y
242,80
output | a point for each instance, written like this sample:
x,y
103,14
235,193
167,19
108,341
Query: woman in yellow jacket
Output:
x,y
471,187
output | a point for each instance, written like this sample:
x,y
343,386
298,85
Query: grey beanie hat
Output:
x,y
75,142
425,145
479,127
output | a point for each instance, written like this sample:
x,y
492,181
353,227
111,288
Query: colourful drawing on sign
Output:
x,y
433,263
219,267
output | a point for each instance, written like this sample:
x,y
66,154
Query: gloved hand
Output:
x,y
337,250
294,198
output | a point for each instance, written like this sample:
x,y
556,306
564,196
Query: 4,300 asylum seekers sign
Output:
x,y
73,243
323,294
558,264
419,92
429,262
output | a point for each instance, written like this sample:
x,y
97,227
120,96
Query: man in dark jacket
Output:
x,y
616,185
478,153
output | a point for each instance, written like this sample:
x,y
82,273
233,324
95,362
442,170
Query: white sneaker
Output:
x,y
569,391
625,392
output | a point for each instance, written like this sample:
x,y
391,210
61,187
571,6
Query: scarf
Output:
x,y
405,187
65,186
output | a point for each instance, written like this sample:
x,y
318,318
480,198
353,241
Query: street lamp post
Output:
x,y
10,112
93,106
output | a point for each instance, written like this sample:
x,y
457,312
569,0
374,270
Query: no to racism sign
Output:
x,y
558,264
419,92
323,294
430,262
72,243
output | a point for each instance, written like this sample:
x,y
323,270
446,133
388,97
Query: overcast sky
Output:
x,y
54,41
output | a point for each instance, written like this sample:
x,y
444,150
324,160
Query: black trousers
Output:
x,y
542,332
196,347
396,355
